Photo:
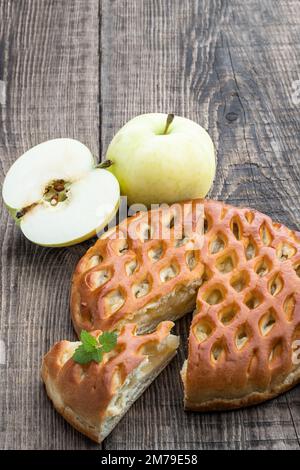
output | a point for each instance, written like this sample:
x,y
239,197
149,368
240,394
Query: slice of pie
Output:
x,y
94,397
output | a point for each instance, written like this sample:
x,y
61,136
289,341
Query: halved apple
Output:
x,y
58,195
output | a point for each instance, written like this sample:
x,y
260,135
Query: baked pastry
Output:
x,y
145,271
247,317
94,397
245,269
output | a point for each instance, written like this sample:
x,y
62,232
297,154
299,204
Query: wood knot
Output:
x,y
231,116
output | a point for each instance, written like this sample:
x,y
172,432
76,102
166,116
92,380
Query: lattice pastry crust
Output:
x,y
94,397
248,312
247,278
139,276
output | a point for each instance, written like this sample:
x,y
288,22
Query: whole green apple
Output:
x,y
160,158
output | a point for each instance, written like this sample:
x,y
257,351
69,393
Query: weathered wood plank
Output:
x,y
230,66
49,62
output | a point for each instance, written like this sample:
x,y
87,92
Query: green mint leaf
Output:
x,y
88,341
90,351
97,355
108,340
82,356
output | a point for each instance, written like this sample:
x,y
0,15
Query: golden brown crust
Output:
x,y
248,400
248,261
122,273
248,312
82,393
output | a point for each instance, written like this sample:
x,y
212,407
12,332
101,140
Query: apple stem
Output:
x,y
24,210
170,118
105,164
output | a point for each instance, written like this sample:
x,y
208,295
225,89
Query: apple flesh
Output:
x,y
159,158
58,196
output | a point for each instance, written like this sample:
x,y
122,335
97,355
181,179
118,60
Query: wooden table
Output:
x,y
82,68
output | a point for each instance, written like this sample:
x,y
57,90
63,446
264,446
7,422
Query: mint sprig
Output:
x,y
89,342
92,349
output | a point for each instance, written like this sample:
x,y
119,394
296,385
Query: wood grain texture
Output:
x,y
49,62
230,66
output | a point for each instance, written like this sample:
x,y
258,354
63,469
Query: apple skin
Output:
x,y
155,168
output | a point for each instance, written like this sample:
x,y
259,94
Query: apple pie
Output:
x,y
246,327
94,397
146,270
237,266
